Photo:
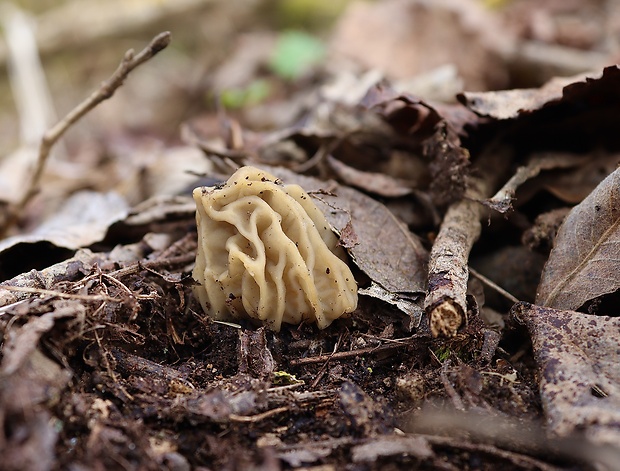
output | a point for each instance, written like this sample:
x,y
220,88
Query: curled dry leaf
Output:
x,y
585,260
409,305
577,356
254,357
574,185
510,104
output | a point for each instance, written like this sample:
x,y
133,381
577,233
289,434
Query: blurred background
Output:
x,y
262,63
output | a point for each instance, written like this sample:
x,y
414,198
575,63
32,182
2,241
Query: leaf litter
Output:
x,y
586,253
107,361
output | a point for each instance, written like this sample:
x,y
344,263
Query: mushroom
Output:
x,y
266,252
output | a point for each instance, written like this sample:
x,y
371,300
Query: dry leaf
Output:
x,y
510,104
83,220
585,260
541,235
409,305
68,270
20,345
373,182
574,185
574,178
386,250
577,356
254,357
30,381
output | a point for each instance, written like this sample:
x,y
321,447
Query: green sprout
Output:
x,y
295,53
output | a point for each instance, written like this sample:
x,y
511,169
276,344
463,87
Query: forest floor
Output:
x,y
465,154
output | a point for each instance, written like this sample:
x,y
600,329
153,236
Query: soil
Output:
x,y
155,384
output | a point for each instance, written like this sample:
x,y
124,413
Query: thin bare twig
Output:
x,y
59,294
491,284
258,417
321,372
502,200
106,90
140,265
108,367
349,354
137,267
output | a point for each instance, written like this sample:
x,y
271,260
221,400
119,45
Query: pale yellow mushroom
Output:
x,y
265,251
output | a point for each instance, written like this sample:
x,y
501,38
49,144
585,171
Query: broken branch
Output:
x,y
448,271
502,200
106,90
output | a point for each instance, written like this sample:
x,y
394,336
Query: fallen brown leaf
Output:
x,y
83,220
386,250
577,356
373,182
510,104
585,260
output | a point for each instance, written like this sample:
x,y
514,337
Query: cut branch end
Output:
x,y
446,319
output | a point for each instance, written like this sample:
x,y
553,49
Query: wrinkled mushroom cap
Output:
x,y
266,252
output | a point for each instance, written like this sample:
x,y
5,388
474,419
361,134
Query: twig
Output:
x,y
321,372
491,284
564,61
344,355
519,459
137,267
137,365
502,200
106,90
58,294
448,271
131,294
258,417
106,362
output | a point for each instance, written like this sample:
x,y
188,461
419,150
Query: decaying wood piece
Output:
x,y
448,271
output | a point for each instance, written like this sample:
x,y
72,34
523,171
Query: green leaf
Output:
x,y
254,93
295,53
